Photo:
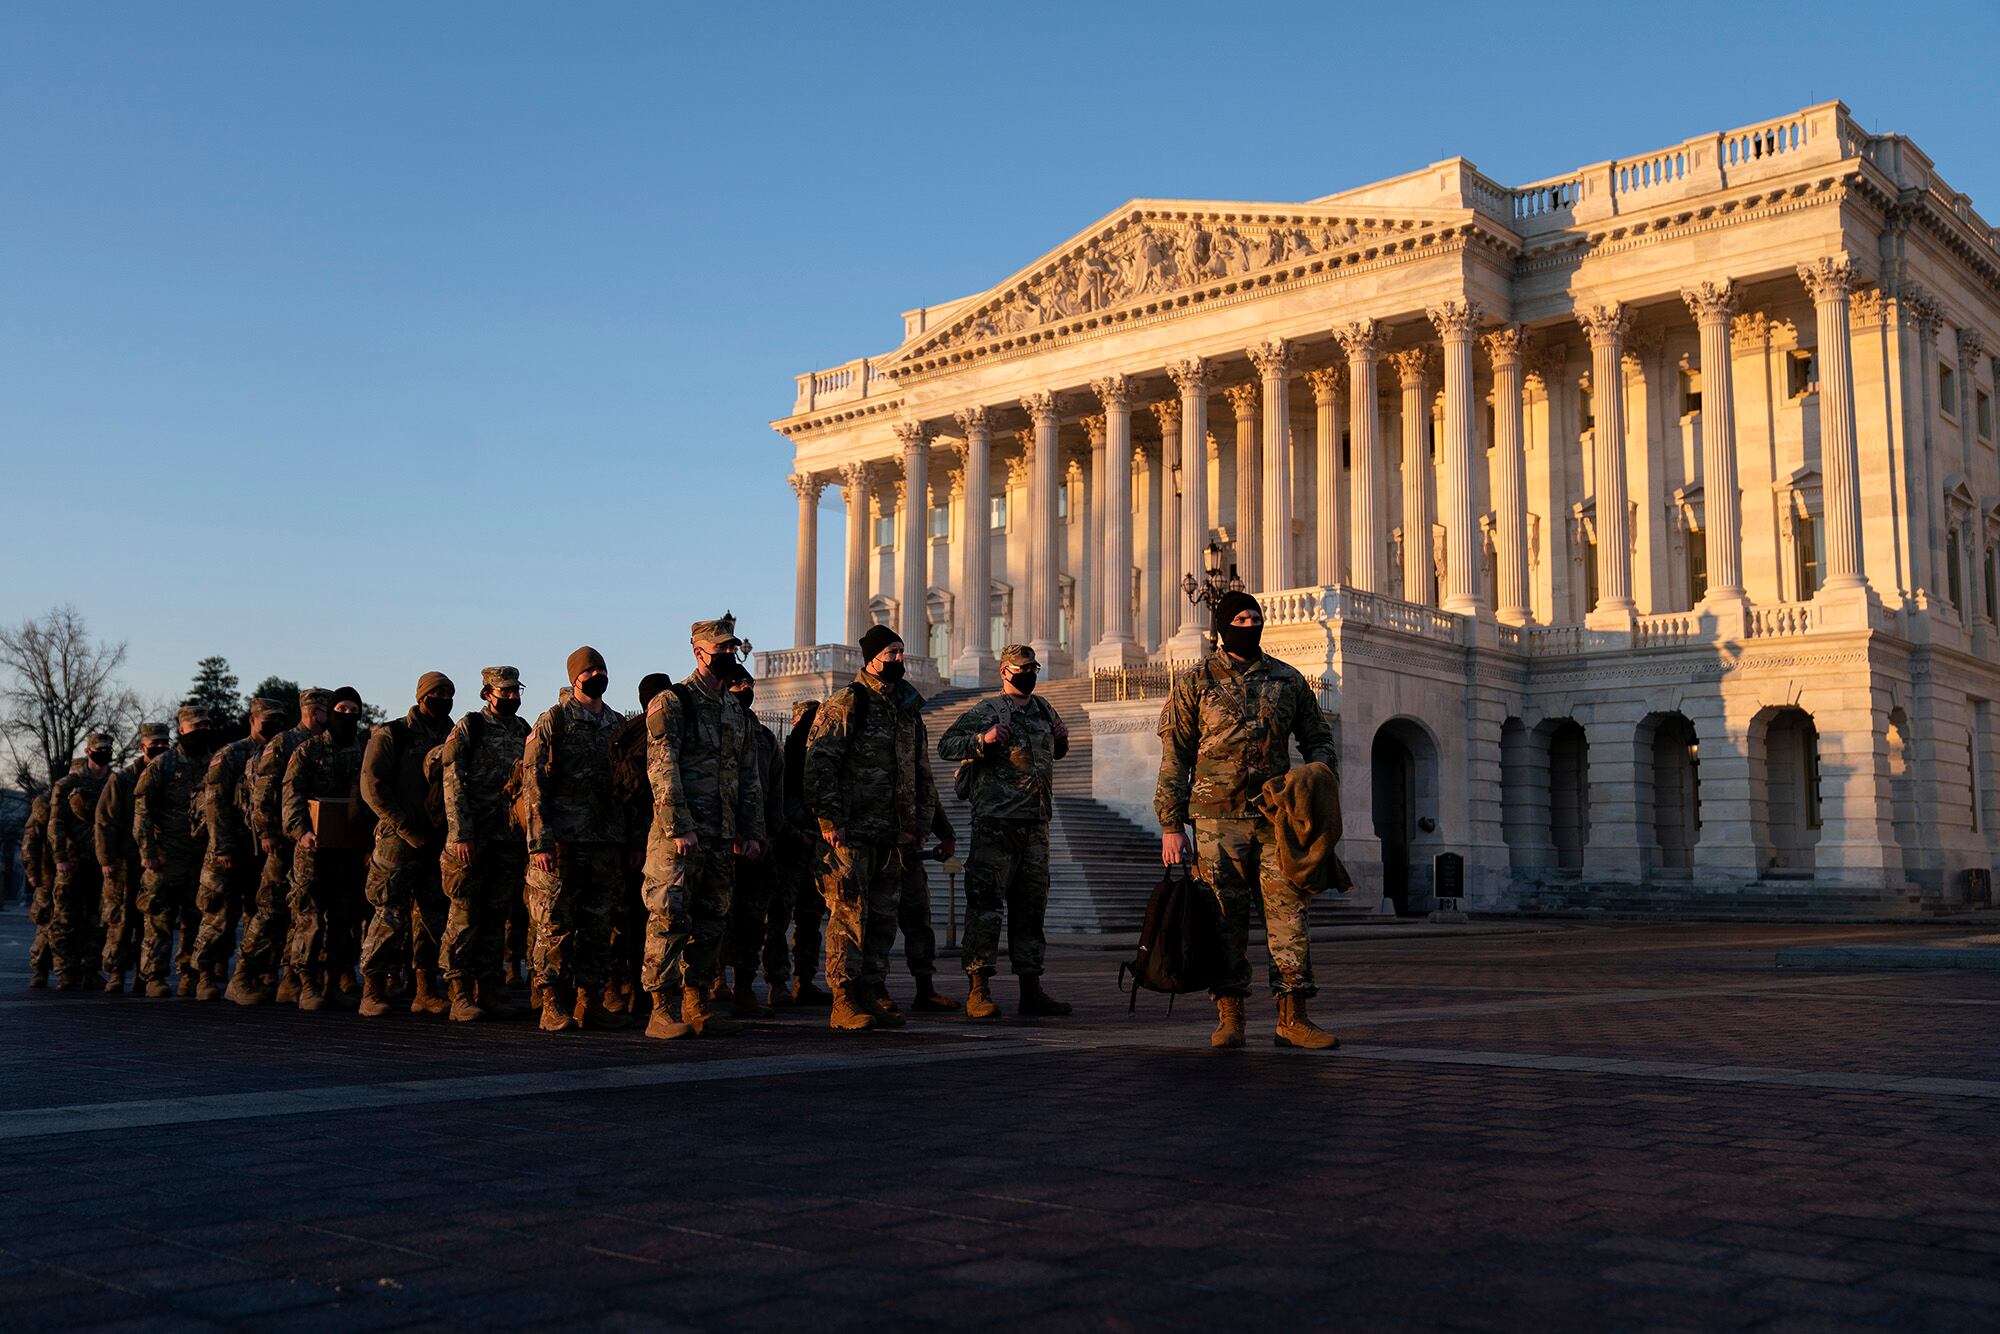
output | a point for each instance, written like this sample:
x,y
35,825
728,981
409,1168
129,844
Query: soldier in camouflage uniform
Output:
x,y
404,886
1013,741
796,898
74,932
118,858
1225,729
167,824
485,862
869,780
266,936
40,862
577,850
234,865
758,878
327,882
708,811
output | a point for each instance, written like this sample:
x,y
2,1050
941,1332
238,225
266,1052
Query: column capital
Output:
x,y
1456,319
1041,408
1711,303
1096,427
1242,400
1545,361
1970,344
1190,376
1505,346
1113,391
809,486
951,477
1273,359
1921,309
1411,364
854,477
1605,324
1828,278
1168,412
1326,382
1018,464
971,419
911,435
1360,339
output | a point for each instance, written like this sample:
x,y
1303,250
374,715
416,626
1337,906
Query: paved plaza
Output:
x,y
1551,1126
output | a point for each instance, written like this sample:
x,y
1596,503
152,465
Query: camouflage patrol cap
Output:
x,y
498,678
316,697
1018,655
263,707
715,633
153,732
191,716
98,741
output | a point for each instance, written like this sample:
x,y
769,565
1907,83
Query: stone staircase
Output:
x,y
1768,900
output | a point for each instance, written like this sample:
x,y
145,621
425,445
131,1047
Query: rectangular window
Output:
x,y
1992,594
1590,576
1803,377
1062,503
996,631
1809,552
1983,410
1347,451
1955,583
885,530
1586,410
996,513
1690,392
940,521
939,643
1697,567
1948,390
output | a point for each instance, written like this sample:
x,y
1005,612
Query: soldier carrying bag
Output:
x,y
1179,946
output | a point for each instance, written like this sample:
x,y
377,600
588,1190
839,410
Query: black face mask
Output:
x,y
100,757
1025,681
152,753
438,707
891,673
198,743
1243,641
343,726
506,708
593,687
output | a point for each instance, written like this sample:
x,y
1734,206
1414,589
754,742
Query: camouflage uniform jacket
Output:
x,y
771,780
393,782
267,783
116,847
322,769
566,778
225,799
1225,730
1013,781
476,768
872,779
702,760
166,806
73,816
36,855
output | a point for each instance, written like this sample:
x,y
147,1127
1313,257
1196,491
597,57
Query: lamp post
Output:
x,y
1210,589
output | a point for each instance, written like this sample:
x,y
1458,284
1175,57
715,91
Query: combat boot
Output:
x,y
334,995
698,1013
979,1006
115,984
39,978
809,997
745,1005
665,1024
492,997
1228,1022
876,998
556,1016
1295,1029
208,987
928,1000
849,1014
464,1008
187,983
243,989
312,992
288,988
374,997
592,1014
779,996
538,995
69,981
430,997
1037,1002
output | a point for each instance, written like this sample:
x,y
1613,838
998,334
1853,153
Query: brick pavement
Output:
x,y
1579,1130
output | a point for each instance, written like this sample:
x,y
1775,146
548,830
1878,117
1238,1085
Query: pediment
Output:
x,y
1151,249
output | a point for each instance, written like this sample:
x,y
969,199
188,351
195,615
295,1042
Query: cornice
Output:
x,y
793,427
1566,250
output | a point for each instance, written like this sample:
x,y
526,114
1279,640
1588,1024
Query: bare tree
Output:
x,y
61,686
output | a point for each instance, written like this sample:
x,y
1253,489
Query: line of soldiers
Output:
x,y
627,862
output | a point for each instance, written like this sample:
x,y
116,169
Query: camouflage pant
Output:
x,y
913,919
270,917
41,906
405,889
220,896
687,914
74,934
572,909
483,896
118,911
628,929
796,900
327,895
750,913
863,887
1008,868
1239,860
166,905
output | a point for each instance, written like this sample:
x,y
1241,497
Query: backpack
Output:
x,y
1180,944
400,733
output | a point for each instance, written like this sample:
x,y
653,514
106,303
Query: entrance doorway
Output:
x,y
1403,764
1569,793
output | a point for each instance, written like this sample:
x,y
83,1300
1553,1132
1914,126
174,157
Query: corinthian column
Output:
x,y
1510,499
975,664
916,542
1044,578
1327,529
1606,327
1363,345
1249,520
805,597
1191,378
854,490
1168,576
1412,369
1829,280
1713,306
1462,593
1116,645
1273,361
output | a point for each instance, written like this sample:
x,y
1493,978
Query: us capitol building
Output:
x,y
1637,525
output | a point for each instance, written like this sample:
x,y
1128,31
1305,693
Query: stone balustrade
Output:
x,y
848,383
814,659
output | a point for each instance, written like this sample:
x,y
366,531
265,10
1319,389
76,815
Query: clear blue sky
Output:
x,y
352,340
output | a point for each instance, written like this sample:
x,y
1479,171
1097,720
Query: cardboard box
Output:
x,y
342,825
